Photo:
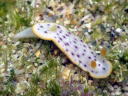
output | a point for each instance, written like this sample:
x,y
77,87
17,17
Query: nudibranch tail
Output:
x,y
74,48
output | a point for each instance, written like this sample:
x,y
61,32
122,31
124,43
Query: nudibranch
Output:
x,y
72,46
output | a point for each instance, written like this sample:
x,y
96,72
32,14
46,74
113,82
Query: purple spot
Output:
x,y
67,35
60,38
60,31
66,44
84,46
92,52
72,54
92,71
57,33
103,61
76,47
98,64
48,24
58,26
41,26
103,68
89,57
83,54
89,47
78,55
85,65
45,32
69,32
74,41
84,50
81,40
80,61
64,37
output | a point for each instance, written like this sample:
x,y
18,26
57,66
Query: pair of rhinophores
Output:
x,y
72,46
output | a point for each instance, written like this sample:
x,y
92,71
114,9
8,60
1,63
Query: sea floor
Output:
x,y
35,67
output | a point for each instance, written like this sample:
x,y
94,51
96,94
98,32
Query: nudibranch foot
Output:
x,y
73,47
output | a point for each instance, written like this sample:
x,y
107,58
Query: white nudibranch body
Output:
x,y
74,48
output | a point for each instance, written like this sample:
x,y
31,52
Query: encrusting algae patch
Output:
x,y
72,46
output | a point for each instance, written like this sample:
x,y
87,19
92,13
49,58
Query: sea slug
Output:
x,y
72,46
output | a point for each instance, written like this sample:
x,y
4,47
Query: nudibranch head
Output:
x,y
47,31
74,48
